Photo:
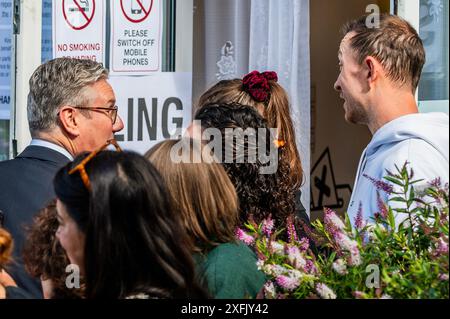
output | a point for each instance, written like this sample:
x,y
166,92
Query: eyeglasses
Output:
x,y
82,166
112,111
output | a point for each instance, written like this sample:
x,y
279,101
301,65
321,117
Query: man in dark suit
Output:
x,y
71,109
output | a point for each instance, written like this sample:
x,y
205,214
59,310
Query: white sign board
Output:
x,y
79,29
136,36
152,108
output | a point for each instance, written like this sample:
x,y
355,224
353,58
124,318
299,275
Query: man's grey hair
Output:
x,y
59,82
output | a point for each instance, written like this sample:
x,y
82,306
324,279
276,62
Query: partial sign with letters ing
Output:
x,y
153,108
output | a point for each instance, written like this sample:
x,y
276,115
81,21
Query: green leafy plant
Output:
x,y
401,253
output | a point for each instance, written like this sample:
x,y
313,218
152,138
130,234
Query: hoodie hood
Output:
x,y
432,128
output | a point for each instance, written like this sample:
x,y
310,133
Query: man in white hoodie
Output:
x,y
380,72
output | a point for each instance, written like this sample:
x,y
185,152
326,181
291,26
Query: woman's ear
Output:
x,y
68,117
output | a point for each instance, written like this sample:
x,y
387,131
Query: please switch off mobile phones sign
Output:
x,y
135,37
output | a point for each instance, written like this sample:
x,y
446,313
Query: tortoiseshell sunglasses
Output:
x,y
82,166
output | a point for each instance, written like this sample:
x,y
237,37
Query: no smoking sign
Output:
x,y
136,11
78,13
79,29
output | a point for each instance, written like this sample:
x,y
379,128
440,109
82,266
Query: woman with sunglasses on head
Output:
x,y
117,225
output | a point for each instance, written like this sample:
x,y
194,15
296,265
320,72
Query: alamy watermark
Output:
x,y
373,278
373,17
73,277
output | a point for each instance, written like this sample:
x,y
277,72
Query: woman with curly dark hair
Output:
x,y
44,258
260,193
263,92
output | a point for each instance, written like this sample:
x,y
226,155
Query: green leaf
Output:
x,y
391,219
397,199
348,223
416,181
394,180
412,194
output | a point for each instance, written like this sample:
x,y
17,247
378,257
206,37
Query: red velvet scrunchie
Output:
x,y
257,84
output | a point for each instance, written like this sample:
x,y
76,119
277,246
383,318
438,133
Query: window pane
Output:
x,y
4,140
434,23
47,49
5,75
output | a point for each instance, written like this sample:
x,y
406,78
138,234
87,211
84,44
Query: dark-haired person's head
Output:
x,y
263,92
121,230
261,191
44,258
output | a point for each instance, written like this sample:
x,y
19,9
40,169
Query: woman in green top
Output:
x,y
204,195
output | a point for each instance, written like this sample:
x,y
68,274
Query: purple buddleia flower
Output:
x,y
276,248
383,210
359,219
270,290
340,266
295,257
292,233
325,292
304,244
244,237
442,247
354,259
349,245
310,267
443,277
287,283
359,295
437,182
333,222
381,185
267,226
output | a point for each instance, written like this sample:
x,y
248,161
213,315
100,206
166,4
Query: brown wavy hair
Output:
x,y
6,247
260,195
201,191
44,256
276,111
